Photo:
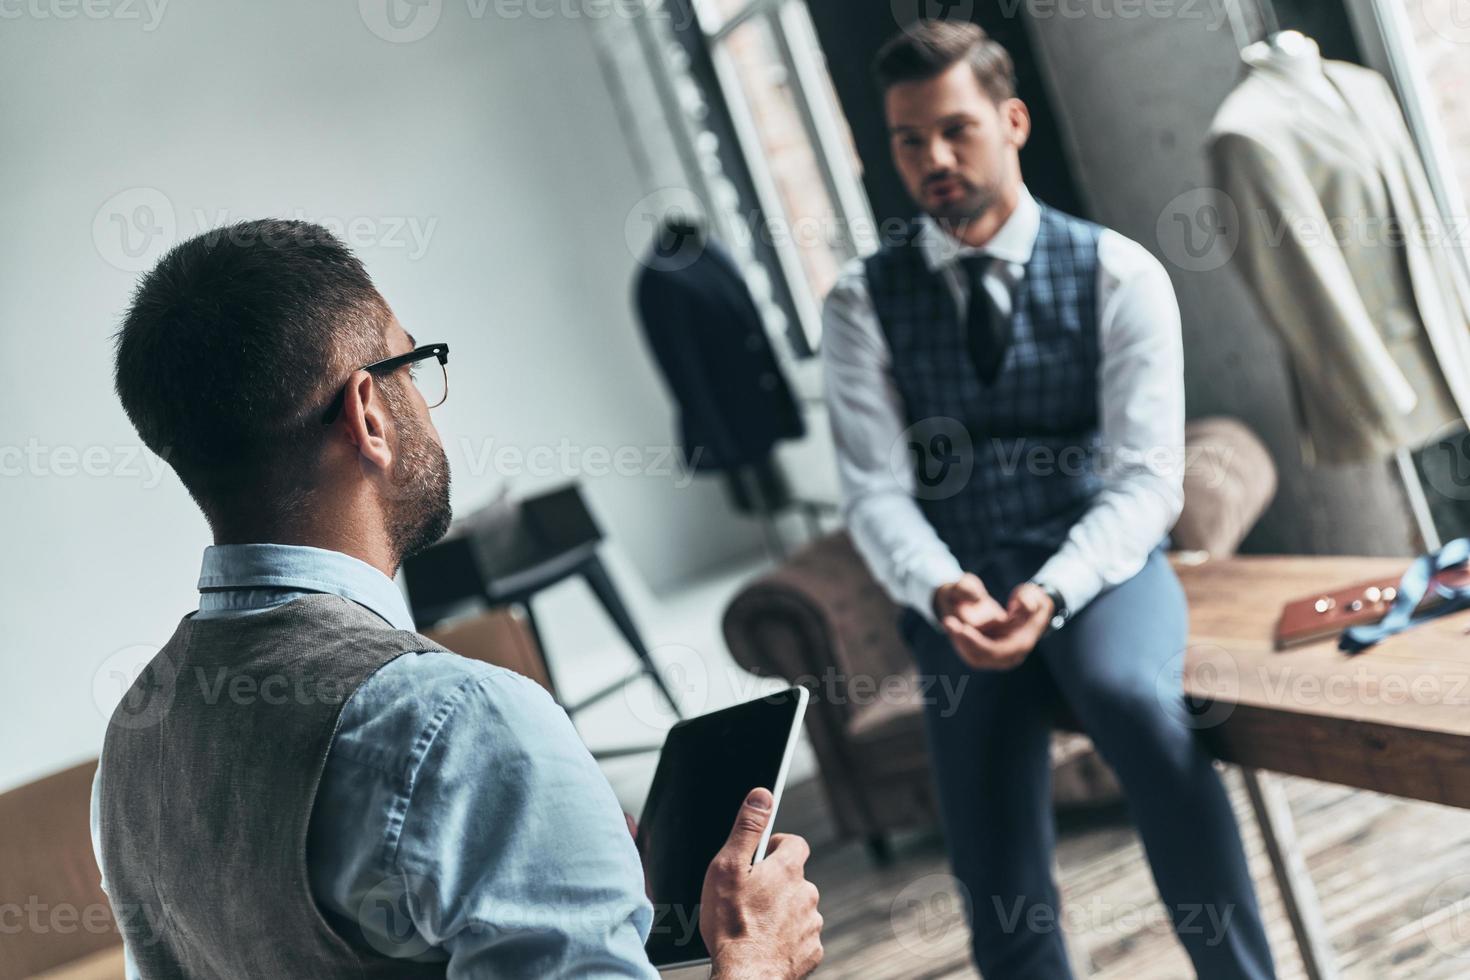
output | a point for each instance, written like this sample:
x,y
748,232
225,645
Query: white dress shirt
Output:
x,y
1141,409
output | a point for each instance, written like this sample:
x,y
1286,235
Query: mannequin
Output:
x,y
1298,57
1324,176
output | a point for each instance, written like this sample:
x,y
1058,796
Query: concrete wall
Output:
x,y
468,149
1135,96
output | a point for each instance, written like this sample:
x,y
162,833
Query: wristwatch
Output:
x,y
1060,613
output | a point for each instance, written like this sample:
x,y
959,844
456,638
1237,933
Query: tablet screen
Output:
x,y
708,766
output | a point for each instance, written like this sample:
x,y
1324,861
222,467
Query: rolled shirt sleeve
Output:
x,y
520,845
461,816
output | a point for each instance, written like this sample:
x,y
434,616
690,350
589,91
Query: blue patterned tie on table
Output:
x,y
1411,591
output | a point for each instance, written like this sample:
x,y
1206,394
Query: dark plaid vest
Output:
x,y
1013,463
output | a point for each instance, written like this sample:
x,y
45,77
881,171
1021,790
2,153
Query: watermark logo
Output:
x,y
1450,19
147,12
685,673
1446,916
134,227
661,230
135,687
401,21
390,911
937,454
1214,678
1199,230
926,911
41,460
909,14
1445,462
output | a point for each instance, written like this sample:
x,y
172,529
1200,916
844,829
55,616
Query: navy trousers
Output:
x,y
1116,666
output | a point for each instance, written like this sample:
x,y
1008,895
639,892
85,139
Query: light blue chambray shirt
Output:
x,y
464,785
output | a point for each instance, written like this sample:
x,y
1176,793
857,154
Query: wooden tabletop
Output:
x,y
1395,718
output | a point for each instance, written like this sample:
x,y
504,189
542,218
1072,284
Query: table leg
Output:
x,y
1273,815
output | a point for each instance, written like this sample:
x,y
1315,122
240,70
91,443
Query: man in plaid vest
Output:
x,y
1006,392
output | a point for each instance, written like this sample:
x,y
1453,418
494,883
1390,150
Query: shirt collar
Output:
x,y
299,567
1012,242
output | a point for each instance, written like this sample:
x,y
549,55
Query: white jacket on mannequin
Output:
x,y
1343,245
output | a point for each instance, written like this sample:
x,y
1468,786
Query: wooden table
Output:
x,y
1394,719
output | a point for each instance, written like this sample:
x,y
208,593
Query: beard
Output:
x,y
972,204
418,503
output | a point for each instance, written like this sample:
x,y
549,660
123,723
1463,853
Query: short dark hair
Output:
x,y
929,48
231,347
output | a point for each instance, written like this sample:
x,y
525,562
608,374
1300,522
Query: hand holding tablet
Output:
x,y
721,883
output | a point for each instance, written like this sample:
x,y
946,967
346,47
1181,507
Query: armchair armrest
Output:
x,y
1229,480
820,612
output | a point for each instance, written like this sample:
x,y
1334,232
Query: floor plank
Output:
x,y
1393,877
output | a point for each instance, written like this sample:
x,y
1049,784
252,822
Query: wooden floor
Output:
x,y
1393,878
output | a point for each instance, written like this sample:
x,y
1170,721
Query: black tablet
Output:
x,y
708,766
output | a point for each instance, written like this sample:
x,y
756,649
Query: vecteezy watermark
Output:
x,y
389,913
1450,19
36,916
406,21
567,459
1099,916
134,228
135,687
909,13
1445,462
1446,916
936,454
929,910
39,460
1213,686
406,233
661,229
1202,685
941,457
147,13
685,674
1199,230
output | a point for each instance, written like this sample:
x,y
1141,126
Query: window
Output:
x,y
1439,31
794,141
731,115
1419,45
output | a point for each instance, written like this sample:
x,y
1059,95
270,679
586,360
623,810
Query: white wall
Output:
x,y
491,136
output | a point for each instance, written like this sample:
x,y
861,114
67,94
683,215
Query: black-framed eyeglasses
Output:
x,y
432,380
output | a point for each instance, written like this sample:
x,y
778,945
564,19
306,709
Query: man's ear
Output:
x,y
366,420
1018,121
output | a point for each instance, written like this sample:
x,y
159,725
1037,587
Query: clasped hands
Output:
x,y
985,634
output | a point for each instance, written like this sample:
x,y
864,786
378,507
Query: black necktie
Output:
x,y
985,335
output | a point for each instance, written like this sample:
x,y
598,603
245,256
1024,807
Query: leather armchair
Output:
x,y
820,619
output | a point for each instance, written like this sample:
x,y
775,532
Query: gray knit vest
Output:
x,y
1011,464
210,769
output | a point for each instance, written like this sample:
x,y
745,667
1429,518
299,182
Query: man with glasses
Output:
x,y
301,785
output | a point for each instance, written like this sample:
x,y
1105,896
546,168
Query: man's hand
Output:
x,y
760,921
985,635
